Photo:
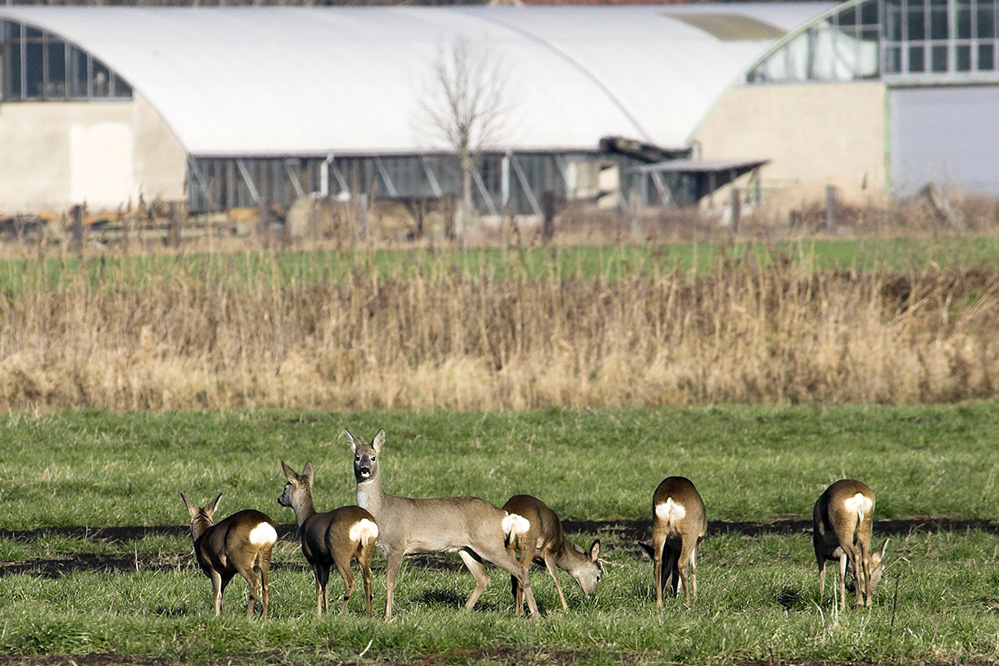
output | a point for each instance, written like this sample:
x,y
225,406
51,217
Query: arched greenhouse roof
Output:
x,y
348,80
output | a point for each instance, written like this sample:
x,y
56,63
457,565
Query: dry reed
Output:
x,y
455,339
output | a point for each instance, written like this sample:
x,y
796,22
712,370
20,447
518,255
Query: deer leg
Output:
x,y
821,561
685,570
364,558
553,572
218,587
475,566
265,566
658,544
348,583
842,579
513,567
251,582
393,564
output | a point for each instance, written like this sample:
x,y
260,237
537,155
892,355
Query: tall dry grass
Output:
x,y
452,338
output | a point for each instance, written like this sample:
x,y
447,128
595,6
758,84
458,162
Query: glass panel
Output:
x,y
77,77
869,13
121,89
939,20
963,10
56,85
893,60
986,21
35,70
916,22
100,85
939,58
893,21
12,70
986,57
32,33
917,59
962,62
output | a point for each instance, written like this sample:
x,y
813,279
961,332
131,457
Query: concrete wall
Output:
x,y
813,134
105,154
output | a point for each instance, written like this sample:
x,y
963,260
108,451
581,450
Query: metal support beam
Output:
x,y
201,181
293,177
386,178
481,185
528,192
245,175
435,185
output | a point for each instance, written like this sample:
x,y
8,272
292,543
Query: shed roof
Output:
x,y
347,80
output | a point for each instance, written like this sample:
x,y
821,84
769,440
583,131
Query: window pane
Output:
x,y
963,59
916,22
939,58
121,89
893,60
986,57
35,70
32,33
56,87
12,70
77,76
963,11
101,84
893,21
917,59
986,28
939,20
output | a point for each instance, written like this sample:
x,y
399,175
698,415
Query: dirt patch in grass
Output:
x,y
626,534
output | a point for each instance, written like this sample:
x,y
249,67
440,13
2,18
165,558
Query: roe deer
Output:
x,y
470,525
841,530
541,538
333,538
232,546
678,527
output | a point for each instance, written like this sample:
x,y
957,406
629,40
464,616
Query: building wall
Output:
x,y
814,135
105,154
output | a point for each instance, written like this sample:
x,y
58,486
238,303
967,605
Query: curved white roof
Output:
x,y
347,80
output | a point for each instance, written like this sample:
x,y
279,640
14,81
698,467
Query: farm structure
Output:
x,y
230,107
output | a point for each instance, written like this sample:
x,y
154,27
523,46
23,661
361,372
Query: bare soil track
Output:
x,y
626,533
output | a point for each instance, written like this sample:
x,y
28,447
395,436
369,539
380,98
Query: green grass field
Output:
x,y
758,598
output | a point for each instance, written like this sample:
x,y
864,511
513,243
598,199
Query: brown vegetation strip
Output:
x,y
450,339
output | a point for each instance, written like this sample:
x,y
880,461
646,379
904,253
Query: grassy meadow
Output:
x,y
758,600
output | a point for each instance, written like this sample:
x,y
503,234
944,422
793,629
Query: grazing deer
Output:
x,y
841,530
333,538
678,528
539,537
232,546
470,525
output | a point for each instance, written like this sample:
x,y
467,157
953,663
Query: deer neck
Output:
x,y
370,495
304,508
199,525
569,559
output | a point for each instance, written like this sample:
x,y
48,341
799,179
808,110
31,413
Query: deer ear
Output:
x,y
595,551
289,473
880,552
350,440
210,509
648,549
309,471
191,508
379,439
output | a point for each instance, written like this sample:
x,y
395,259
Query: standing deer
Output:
x,y
470,525
333,538
841,530
539,536
233,546
678,527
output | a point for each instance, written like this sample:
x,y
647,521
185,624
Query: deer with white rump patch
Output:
x,y
679,524
334,538
470,525
841,530
235,545
538,535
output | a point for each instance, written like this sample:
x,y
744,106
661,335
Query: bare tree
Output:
x,y
466,104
